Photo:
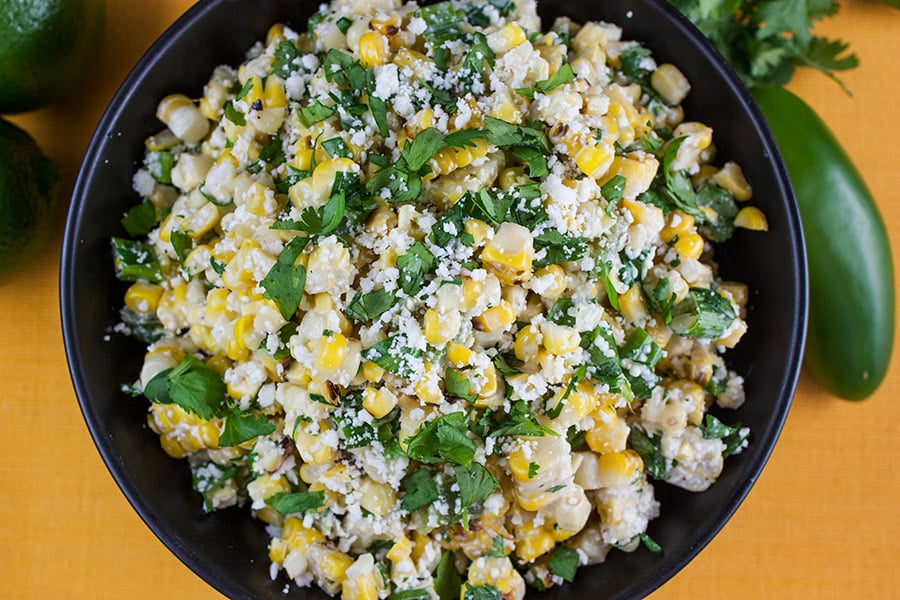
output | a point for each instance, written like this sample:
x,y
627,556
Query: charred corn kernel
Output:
x,y
388,26
273,93
143,297
373,49
532,541
678,224
377,498
183,118
312,444
690,245
527,344
458,355
317,387
427,387
401,550
731,178
509,254
471,291
751,218
594,160
379,401
298,536
671,83
559,339
371,372
330,353
507,38
440,328
633,306
619,468
496,317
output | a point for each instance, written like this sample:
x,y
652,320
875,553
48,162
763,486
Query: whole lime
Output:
x,y
28,189
46,47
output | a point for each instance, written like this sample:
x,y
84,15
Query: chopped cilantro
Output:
x,y
475,484
136,260
419,490
288,503
285,281
456,385
563,562
191,385
140,219
243,426
286,59
414,265
369,306
562,76
391,354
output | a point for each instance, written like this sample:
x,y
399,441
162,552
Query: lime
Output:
x,y
27,199
46,47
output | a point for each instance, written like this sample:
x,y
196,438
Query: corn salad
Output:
x,y
430,292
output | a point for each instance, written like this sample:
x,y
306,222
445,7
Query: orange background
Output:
x,y
822,521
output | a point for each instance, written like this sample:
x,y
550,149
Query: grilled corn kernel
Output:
x,y
638,174
751,218
377,498
143,297
609,433
594,160
690,245
379,401
373,49
559,339
312,444
427,387
440,328
330,352
183,118
471,291
299,536
509,254
496,317
633,306
458,355
507,38
731,178
401,550
371,372
671,83
620,468
527,344
678,224
532,541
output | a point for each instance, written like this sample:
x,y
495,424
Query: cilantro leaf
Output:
x,y
648,447
288,503
286,59
391,354
520,421
368,307
139,219
443,439
558,248
463,138
191,385
482,592
240,427
447,581
285,281
419,490
475,484
562,76
422,148
234,115
136,260
417,262
563,562
455,384
182,244
703,314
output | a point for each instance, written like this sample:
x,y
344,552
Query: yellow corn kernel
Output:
x,y
751,218
330,353
442,163
527,344
638,174
299,536
278,550
731,178
163,140
183,118
273,94
218,363
671,83
478,229
471,291
619,468
532,541
594,160
238,348
633,306
311,446
579,404
678,224
496,317
401,550
334,565
257,89
507,38
466,155
143,297
420,121
513,177
553,281
389,26
373,49
609,433
371,372
509,254
559,339
377,498
458,355
440,328
275,34
427,387
508,111
690,245
379,401
700,133
519,464
217,305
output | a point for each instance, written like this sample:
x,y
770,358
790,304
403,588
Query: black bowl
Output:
x,y
228,548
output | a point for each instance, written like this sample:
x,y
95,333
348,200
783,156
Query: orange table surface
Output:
x,y
822,521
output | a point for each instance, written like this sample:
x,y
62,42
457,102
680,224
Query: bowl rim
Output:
x,y
124,480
